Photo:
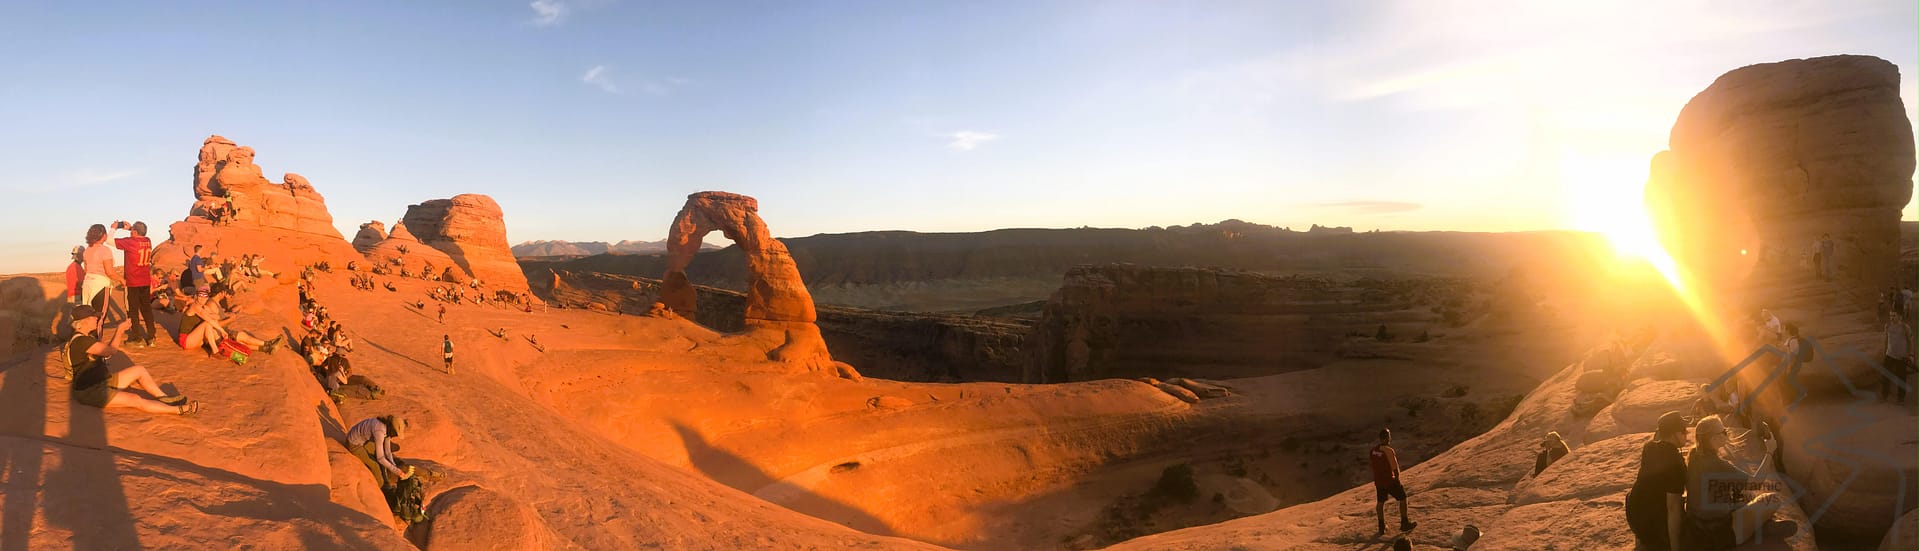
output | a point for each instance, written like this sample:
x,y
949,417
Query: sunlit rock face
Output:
x,y
1771,157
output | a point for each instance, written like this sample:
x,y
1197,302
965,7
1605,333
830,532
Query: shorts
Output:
x,y
93,285
97,395
1392,488
449,358
182,339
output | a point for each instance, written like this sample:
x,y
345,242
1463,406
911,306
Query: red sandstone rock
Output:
x,y
777,303
470,229
370,235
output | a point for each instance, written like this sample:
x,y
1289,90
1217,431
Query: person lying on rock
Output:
x,y
96,385
1721,512
371,441
200,329
1550,451
1656,504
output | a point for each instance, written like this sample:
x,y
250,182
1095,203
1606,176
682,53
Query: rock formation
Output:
x,y
287,222
370,235
1760,165
777,303
471,229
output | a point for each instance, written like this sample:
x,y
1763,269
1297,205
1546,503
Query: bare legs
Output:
x,y
130,377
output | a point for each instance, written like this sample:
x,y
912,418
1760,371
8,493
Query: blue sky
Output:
x,y
592,119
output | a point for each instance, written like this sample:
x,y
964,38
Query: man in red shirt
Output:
x,y
1385,465
139,276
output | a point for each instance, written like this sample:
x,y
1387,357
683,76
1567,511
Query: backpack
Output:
x,y
1805,350
235,351
408,498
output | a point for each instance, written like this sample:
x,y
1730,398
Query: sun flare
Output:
x,y
1606,196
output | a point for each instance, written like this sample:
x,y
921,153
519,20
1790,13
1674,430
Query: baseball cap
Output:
x,y
84,311
1671,422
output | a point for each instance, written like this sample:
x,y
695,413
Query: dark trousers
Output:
x,y
1900,367
140,309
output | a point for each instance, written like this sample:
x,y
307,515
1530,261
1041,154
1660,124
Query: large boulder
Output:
x,y
1761,166
473,517
471,229
778,308
227,171
371,234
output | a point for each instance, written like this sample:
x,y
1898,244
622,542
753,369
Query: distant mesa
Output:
x,y
589,248
1318,229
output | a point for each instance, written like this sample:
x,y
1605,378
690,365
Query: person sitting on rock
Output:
x,y
96,385
370,441
1720,512
334,374
1656,503
1385,466
200,328
1550,451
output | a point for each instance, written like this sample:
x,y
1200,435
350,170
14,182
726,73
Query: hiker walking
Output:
x,y
370,441
1385,464
138,274
446,349
1656,504
442,313
1899,355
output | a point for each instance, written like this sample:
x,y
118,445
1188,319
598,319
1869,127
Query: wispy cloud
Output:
x,y
1372,207
548,13
968,140
95,176
603,77
599,76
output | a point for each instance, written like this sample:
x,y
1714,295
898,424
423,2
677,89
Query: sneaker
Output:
x,y
1406,526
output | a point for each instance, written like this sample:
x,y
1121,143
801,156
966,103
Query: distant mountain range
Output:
x,y
589,248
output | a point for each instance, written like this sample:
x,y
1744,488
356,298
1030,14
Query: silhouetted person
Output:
x,y
1720,510
1385,465
1899,356
1824,257
1655,506
1552,449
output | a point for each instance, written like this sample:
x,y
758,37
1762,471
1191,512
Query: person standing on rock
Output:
x,y
76,272
1655,506
370,441
100,276
1899,353
442,313
1385,464
446,349
1824,257
138,274
194,277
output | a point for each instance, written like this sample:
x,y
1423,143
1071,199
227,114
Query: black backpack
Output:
x,y
408,498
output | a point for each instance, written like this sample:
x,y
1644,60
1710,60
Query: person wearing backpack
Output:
x,y
446,348
94,384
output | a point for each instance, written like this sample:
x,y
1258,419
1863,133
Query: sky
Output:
x,y
590,120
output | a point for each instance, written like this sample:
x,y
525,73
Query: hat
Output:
x,y
1671,422
399,426
1465,538
84,311
1402,543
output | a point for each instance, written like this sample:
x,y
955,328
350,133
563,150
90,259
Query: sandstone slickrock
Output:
x,y
370,235
777,304
471,229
